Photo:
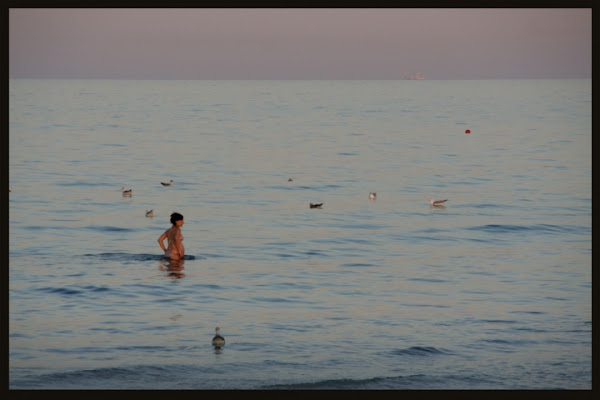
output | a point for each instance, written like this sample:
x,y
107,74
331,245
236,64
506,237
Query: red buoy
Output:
x,y
468,131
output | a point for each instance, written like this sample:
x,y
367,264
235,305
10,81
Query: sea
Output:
x,y
491,291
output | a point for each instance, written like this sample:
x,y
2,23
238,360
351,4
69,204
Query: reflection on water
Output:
x,y
174,268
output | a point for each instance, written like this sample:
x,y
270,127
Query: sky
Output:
x,y
285,43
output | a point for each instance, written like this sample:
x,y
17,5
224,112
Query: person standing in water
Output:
x,y
174,249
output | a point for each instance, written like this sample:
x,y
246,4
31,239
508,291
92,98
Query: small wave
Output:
x,y
99,378
176,376
88,290
133,257
109,228
418,351
271,300
528,312
334,384
419,305
320,188
356,265
410,382
504,342
39,227
284,255
480,240
432,280
316,253
432,231
485,205
61,291
361,226
499,321
82,183
285,244
538,228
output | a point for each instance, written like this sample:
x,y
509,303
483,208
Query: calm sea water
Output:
x,y
493,291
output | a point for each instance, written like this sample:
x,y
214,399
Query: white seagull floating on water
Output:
x,y
437,203
218,341
126,192
170,183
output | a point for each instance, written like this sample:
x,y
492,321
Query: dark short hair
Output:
x,y
176,217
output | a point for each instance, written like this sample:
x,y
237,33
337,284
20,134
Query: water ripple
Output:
x,y
419,351
537,228
132,257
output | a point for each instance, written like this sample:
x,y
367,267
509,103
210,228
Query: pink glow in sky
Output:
x,y
198,43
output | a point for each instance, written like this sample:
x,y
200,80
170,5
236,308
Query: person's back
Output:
x,y
175,243
174,249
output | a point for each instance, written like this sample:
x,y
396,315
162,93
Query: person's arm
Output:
x,y
161,240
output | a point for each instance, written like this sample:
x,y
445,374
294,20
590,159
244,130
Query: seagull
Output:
x,y
316,205
170,183
126,192
437,203
218,341
372,195
150,213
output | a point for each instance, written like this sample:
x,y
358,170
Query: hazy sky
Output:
x,y
201,43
